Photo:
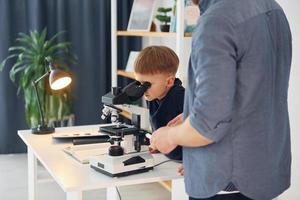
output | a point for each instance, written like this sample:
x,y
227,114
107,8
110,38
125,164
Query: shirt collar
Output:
x,y
177,83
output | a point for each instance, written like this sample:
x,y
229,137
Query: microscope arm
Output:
x,y
137,110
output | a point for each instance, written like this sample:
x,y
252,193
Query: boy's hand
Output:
x,y
181,170
152,150
176,121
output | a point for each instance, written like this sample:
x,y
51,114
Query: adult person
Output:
x,y
235,126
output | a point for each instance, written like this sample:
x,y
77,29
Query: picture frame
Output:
x,y
191,16
131,59
141,15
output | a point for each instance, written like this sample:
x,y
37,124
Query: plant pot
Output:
x,y
153,27
165,28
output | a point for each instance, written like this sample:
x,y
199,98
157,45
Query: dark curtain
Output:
x,y
87,26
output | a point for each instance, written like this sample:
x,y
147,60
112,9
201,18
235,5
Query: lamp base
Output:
x,y
40,130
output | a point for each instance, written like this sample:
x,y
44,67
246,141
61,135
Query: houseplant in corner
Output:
x,y
29,63
164,18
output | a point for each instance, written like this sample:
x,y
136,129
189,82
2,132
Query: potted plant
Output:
x,y
29,63
164,18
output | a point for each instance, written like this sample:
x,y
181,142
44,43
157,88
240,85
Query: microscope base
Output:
x,y
118,166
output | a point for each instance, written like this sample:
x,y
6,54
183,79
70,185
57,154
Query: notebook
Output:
x,y
82,153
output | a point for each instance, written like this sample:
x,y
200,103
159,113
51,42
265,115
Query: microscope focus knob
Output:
x,y
115,150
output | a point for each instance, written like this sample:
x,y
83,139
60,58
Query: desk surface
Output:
x,y
74,176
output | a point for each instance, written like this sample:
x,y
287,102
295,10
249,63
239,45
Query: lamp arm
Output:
x,y
38,80
42,119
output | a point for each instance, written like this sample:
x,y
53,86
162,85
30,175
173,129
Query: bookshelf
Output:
x,y
125,74
150,34
179,37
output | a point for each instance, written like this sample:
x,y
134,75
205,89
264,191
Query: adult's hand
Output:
x,y
181,170
160,140
176,121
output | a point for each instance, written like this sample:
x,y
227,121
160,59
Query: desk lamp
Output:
x,y
58,79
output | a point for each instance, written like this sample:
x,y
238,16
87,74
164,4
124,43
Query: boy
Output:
x,y
158,65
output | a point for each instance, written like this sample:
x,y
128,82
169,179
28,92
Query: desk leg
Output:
x,y
178,190
74,195
32,174
112,193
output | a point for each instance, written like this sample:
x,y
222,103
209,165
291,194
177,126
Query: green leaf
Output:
x,y
24,38
60,46
55,37
163,18
34,36
5,60
41,40
17,48
19,90
26,78
31,109
16,68
43,36
29,54
164,10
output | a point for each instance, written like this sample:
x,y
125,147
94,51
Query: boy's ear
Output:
x,y
170,81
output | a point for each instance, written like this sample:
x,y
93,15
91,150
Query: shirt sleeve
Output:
x,y
213,60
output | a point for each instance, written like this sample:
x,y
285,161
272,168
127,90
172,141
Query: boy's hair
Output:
x,y
156,59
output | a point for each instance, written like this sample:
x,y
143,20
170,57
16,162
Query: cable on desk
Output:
x,y
119,193
178,161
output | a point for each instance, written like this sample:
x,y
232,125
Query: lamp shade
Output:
x,y
59,79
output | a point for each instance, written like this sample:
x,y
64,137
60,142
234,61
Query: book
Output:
x,y
131,59
82,153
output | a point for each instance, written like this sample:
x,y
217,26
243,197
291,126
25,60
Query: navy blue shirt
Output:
x,y
237,97
164,110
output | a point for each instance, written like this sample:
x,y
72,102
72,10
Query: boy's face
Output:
x,y
160,84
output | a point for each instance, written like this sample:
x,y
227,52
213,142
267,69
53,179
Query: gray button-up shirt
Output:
x,y
237,96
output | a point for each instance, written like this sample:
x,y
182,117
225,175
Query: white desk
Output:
x,y
74,177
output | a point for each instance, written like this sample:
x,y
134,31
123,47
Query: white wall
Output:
x,y
291,8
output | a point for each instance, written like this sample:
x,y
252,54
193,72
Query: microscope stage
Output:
x,y
119,129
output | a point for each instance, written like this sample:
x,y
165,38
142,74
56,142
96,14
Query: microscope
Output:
x,y
128,153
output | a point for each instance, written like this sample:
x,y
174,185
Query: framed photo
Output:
x,y
141,15
191,15
131,59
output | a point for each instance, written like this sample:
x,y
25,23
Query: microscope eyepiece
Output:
x,y
146,85
136,90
